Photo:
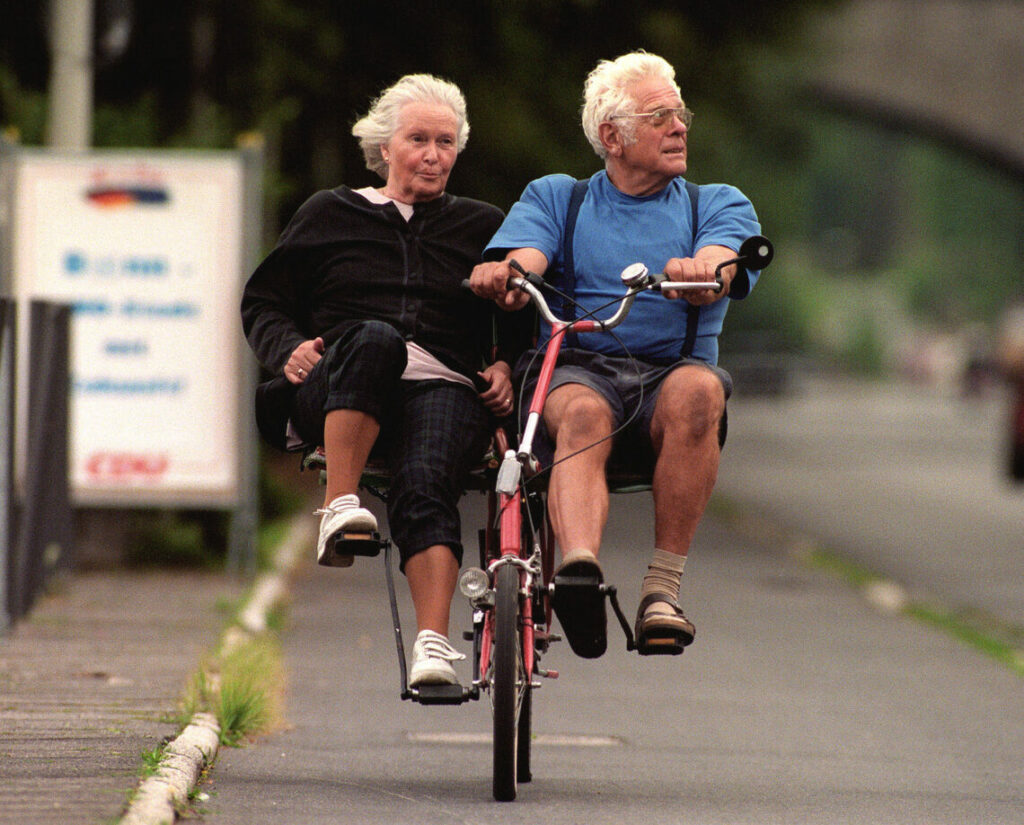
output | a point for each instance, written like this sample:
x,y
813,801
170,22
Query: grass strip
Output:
x,y
961,628
242,682
1000,641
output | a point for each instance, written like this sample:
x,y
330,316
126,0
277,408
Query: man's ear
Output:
x,y
611,138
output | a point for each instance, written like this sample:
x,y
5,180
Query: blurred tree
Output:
x,y
198,73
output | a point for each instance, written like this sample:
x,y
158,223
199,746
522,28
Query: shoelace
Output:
x,y
331,508
437,647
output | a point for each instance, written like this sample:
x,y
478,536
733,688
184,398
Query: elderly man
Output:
x,y
582,234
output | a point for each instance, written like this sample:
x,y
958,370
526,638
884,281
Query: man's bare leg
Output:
x,y
684,433
576,417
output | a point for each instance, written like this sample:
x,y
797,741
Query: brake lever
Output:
x,y
529,277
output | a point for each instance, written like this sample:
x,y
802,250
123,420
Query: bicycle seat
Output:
x,y
377,477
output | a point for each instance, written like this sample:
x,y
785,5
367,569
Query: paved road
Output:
x,y
905,479
797,704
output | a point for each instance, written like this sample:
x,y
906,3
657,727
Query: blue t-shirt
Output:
x,y
614,230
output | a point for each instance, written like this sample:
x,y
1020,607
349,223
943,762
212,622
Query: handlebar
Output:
x,y
756,252
527,284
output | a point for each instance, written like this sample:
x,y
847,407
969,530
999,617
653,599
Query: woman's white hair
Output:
x,y
379,125
605,92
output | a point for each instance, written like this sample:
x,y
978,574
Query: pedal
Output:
x,y
582,582
358,544
662,646
440,694
578,602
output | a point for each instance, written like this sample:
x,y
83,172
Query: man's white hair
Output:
x,y
605,92
379,125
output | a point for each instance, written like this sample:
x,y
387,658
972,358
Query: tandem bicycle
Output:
x,y
511,590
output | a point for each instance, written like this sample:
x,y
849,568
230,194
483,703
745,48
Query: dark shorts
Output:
x,y
432,432
629,386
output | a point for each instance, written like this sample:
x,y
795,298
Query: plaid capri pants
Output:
x,y
432,432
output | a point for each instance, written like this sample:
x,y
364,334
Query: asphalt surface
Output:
x,y
906,480
799,701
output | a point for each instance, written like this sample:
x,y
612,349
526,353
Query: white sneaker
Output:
x,y
342,514
432,656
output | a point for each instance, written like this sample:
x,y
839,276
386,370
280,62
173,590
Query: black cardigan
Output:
x,y
343,259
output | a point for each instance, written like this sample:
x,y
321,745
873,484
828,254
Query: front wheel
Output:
x,y
508,682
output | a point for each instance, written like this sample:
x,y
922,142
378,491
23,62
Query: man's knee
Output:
x,y
581,414
690,405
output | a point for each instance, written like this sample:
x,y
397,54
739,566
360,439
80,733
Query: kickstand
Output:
x,y
395,621
613,597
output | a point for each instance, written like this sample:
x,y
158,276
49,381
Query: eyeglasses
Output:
x,y
659,117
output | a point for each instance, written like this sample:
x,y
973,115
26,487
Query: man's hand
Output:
x,y
701,267
490,280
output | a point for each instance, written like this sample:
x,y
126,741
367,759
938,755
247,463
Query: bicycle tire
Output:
x,y
507,679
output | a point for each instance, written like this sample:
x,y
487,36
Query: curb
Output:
x,y
184,759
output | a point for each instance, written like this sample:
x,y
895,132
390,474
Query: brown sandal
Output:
x,y
662,633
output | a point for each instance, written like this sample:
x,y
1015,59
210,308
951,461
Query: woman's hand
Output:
x,y
498,397
303,359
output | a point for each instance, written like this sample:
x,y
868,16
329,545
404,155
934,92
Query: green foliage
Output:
x,y
963,264
301,72
151,761
250,680
844,202
22,111
177,538
864,351
241,687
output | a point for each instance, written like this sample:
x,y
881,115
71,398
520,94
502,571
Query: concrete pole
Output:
x,y
69,125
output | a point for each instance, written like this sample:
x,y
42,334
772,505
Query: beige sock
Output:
x,y
664,575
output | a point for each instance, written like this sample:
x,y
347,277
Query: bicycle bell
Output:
x,y
634,275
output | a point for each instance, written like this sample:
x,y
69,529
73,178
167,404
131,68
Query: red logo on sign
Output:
x,y
108,466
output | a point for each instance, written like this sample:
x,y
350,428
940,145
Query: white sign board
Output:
x,y
147,247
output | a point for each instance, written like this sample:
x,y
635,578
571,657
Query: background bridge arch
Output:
x,y
953,71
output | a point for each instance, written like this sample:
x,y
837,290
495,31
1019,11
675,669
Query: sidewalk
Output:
x,y
90,681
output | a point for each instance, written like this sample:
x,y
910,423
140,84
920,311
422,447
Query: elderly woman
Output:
x,y
360,314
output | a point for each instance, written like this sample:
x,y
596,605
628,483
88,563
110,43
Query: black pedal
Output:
x,y
359,544
440,695
582,582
